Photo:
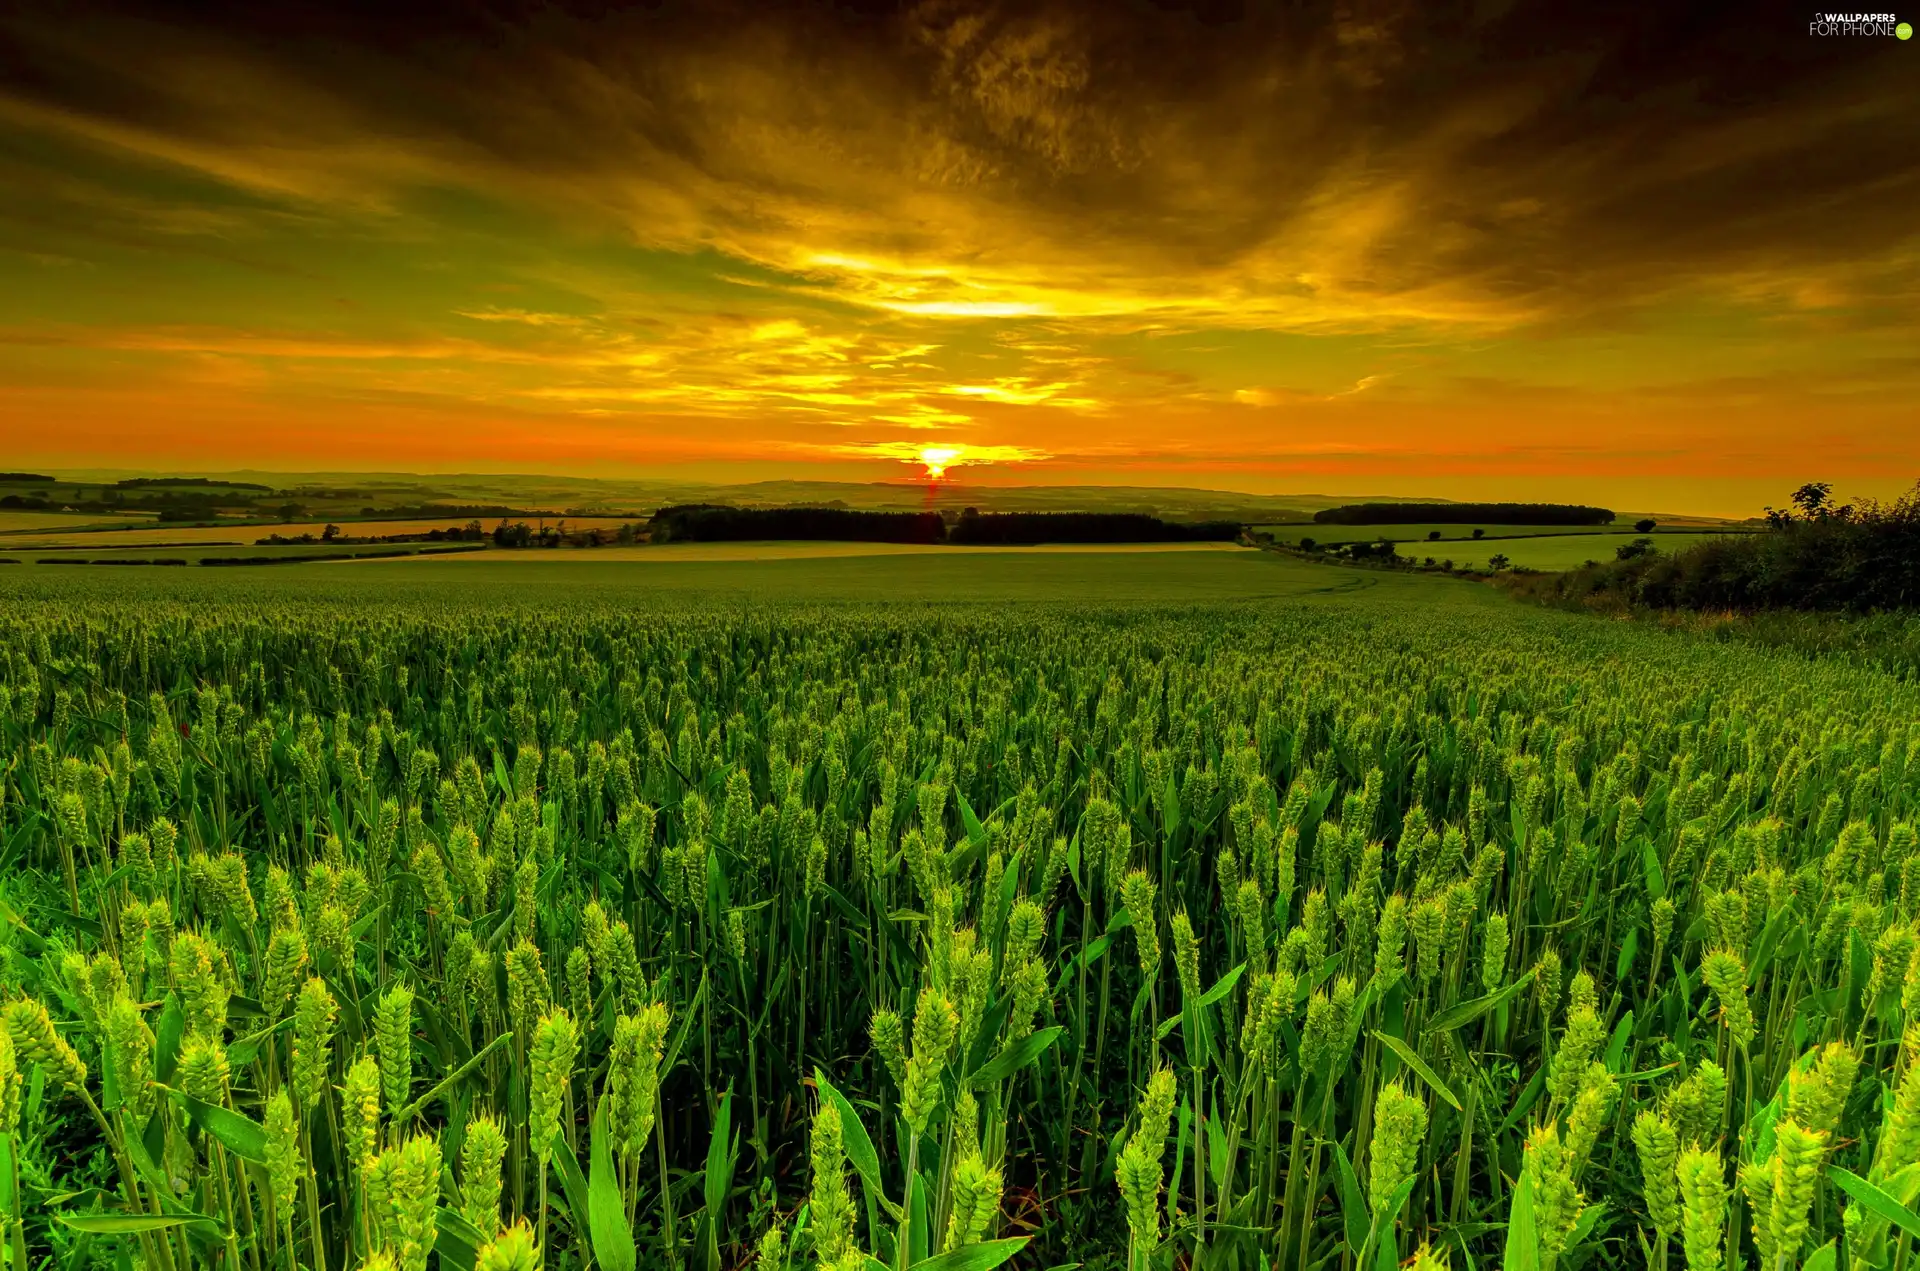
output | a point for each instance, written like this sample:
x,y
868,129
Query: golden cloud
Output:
x,y
979,161
956,453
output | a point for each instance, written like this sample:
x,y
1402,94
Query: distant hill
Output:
x,y
348,495
215,483
1177,502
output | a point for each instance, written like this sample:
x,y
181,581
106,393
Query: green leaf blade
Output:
x,y
1419,1065
612,1238
1874,1200
1467,1012
1015,1057
981,1257
123,1224
237,1132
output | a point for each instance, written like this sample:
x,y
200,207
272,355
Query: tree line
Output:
x,y
713,523
1006,529
1464,514
708,523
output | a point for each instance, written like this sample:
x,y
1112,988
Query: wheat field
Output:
x,y
406,928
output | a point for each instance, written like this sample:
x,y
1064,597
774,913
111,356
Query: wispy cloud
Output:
x,y
914,451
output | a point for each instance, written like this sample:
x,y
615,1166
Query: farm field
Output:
x,y
876,570
803,572
798,571
12,521
1569,552
1413,535
1260,913
194,554
150,534
672,553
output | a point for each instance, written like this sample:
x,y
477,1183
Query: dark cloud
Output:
x,y
1353,162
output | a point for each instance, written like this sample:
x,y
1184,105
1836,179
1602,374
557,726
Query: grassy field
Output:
x,y
757,572
1567,552
194,554
753,571
16,522
1413,535
884,570
670,553
938,574
148,533
940,910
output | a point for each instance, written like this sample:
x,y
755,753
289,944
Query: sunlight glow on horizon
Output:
x,y
938,459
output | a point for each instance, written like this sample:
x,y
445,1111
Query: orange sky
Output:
x,y
1665,263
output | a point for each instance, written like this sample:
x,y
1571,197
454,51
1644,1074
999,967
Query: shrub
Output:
x,y
1857,559
1632,551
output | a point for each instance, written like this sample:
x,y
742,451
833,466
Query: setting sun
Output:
x,y
937,459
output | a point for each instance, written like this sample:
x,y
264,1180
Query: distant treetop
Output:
x,y
1015,528
16,478
709,523
1464,514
